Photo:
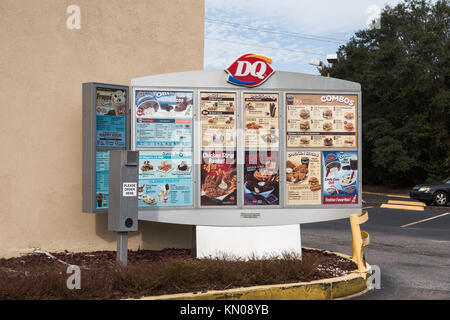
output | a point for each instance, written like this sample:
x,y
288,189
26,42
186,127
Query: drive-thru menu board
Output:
x,y
244,153
163,118
321,121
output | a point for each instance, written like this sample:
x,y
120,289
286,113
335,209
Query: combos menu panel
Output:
x,y
315,123
321,121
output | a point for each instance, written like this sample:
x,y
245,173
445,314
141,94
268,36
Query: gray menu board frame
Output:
x,y
282,83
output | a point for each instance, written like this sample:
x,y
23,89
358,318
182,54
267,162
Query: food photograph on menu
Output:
x,y
318,121
261,120
163,118
218,119
303,175
110,117
340,177
165,178
261,178
218,178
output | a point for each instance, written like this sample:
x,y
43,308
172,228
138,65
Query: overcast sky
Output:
x,y
301,30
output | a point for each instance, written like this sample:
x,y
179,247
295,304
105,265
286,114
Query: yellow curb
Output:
x,y
408,203
342,287
397,206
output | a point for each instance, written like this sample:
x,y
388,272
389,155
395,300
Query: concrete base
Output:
x,y
247,242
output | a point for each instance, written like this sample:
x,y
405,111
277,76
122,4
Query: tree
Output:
x,y
403,67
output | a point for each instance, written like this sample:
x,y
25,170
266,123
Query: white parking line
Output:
x,y
428,219
367,207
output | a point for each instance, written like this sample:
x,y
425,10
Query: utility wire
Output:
x,y
256,45
286,33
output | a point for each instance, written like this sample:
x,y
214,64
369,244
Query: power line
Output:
x,y
286,33
292,34
256,45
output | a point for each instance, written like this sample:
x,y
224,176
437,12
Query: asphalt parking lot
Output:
x,y
413,255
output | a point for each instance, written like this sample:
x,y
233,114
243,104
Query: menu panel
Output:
x,y
303,172
218,120
218,178
340,177
163,118
317,121
165,178
110,117
261,178
261,120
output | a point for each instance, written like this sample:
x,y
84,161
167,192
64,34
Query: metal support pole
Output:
x,y
122,248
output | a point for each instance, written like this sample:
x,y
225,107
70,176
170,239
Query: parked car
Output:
x,y
433,193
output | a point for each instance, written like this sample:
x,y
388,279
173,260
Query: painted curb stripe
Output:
x,y
409,203
397,206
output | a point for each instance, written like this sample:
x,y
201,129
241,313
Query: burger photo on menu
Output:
x,y
218,178
327,114
314,184
304,125
304,114
304,140
327,126
348,115
349,126
261,178
349,142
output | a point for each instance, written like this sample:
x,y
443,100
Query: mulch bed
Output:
x,y
149,272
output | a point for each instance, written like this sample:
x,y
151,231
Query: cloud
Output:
x,y
334,22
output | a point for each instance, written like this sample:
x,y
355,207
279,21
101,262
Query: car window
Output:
x,y
448,181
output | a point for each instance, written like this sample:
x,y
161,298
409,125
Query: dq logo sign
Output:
x,y
250,70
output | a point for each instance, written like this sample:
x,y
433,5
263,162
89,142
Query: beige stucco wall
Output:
x,y
42,67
